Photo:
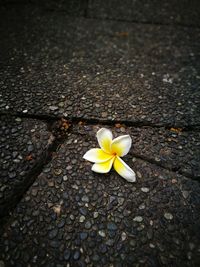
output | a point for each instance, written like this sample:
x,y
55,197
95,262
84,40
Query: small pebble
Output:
x,y
96,214
67,254
123,236
88,225
139,174
145,189
85,199
102,233
185,194
53,233
142,206
168,216
82,218
83,235
65,178
57,172
112,226
138,219
53,108
76,254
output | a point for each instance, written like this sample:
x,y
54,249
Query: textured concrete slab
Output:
x,y
23,144
98,69
174,149
74,217
171,11
72,7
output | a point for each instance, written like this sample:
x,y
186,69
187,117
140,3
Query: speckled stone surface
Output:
x,y
149,11
72,7
174,149
99,69
23,143
74,217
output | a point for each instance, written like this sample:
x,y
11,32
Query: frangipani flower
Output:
x,y
109,154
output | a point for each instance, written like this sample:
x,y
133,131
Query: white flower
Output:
x,y
109,154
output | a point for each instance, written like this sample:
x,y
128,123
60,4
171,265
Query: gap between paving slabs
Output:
x,y
88,219
86,63
139,123
135,126
59,131
60,127
27,146
172,149
75,120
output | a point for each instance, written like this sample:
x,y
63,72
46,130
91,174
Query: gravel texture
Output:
x,y
99,69
23,144
71,7
183,12
174,148
147,11
72,216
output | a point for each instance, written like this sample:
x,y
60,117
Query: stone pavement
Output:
x,y
67,69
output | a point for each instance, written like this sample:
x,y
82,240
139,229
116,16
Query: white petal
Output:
x,y
121,145
103,167
97,155
104,137
124,170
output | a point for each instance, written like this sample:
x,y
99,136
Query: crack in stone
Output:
x,y
37,169
74,120
171,169
46,156
87,16
175,24
86,8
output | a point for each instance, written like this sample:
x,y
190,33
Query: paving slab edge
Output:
x,y
60,137
86,14
49,118
44,158
185,25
